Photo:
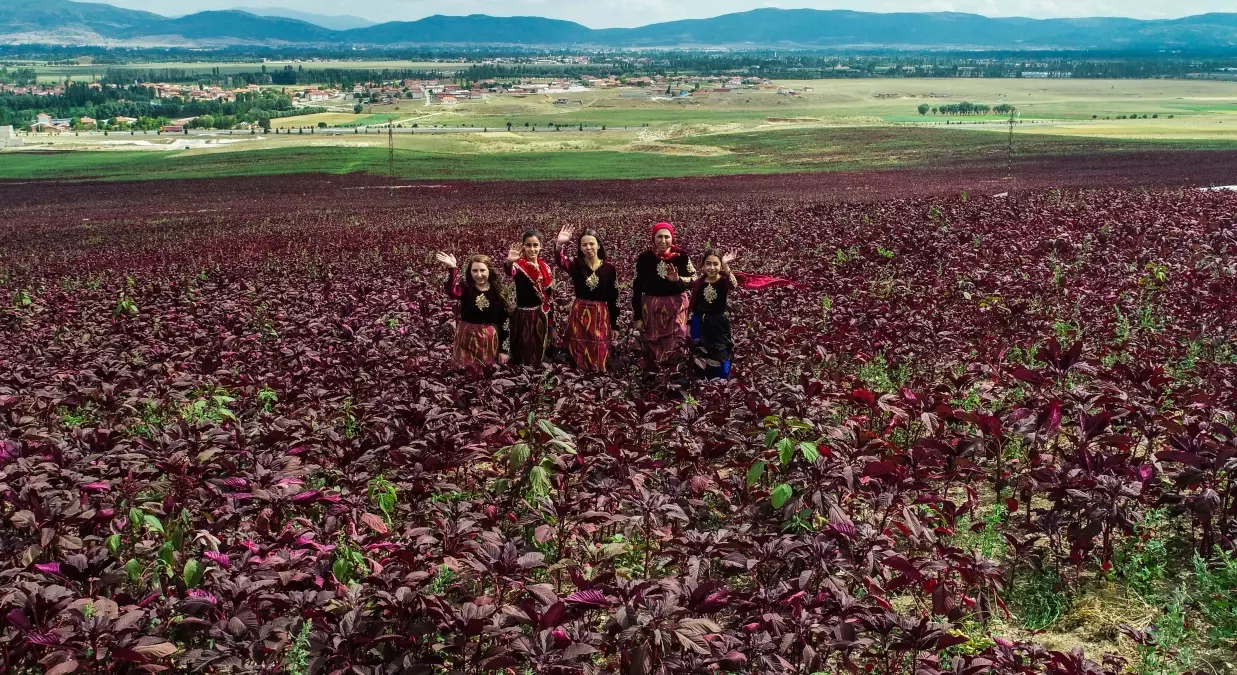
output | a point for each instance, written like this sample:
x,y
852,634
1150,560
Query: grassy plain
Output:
x,y
838,124
568,155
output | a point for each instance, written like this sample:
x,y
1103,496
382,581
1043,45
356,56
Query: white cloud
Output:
x,y
628,13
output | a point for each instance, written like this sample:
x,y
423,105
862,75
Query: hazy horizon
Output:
x,y
632,13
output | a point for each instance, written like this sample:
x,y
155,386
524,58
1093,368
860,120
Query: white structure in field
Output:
x,y
8,139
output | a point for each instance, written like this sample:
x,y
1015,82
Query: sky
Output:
x,y
629,13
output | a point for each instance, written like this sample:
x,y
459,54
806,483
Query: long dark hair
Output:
x,y
601,248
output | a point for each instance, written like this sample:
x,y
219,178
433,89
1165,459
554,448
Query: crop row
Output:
x,y
231,439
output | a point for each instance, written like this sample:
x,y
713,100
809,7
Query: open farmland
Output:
x,y
988,430
838,125
670,152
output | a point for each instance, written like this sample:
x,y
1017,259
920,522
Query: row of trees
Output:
x,y
18,76
966,108
138,101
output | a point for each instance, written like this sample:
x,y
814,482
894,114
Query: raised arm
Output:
x,y
512,256
731,277
563,260
560,248
452,287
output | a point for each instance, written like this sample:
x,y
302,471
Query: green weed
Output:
x,y
267,398
349,564
1167,653
1215,594
1039,599
78,416
878,375
210,405
297,662
383,496
1140,561
443,579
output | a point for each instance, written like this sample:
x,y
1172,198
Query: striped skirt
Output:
x,y
530,328
475,344
588,334
665,326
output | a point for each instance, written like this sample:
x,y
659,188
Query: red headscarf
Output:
x,y
539,273
670,252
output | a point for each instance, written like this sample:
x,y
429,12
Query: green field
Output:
x,y
833,125
786,150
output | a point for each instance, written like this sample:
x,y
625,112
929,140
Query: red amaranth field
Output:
x,y
230,440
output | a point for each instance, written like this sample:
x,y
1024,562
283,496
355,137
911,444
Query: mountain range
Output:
x,y
81,23
331,21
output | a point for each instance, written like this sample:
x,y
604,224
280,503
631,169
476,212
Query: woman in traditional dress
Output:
x,y
710,335
530,322
594,314
711,339
481,334
659,298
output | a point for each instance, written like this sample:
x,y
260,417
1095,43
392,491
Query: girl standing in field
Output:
x,y
530,322
659,296
481,336
711,339
710,335
594,314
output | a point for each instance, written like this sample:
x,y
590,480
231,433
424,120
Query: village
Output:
x,y
325,98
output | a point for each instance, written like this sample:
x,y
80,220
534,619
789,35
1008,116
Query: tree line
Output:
x,y
966,108
284,76
138,101
18,76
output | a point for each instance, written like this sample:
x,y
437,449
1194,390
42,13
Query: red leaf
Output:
x,y
374,522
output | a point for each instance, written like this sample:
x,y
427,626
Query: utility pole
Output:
x,y
1009,151
390,150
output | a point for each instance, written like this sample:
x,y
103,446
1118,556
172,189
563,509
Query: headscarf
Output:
x,y
670,252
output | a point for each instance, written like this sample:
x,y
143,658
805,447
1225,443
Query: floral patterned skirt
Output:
x,y
530,328
665,325
588,334
475,344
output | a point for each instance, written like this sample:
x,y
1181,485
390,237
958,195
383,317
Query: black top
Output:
x,y
479,308
710,298
651,278
600,285
525,291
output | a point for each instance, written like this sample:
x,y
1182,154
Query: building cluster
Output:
x,y
32,89
428,91
446,93
200,93
45,123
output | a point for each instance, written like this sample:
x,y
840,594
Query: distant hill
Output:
x,y
64,21
67,22
333,22
474,29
